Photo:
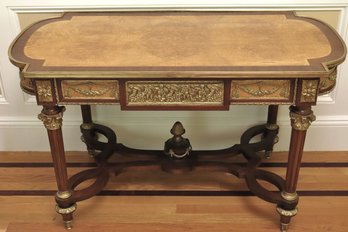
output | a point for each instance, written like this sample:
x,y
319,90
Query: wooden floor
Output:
x,y
157,201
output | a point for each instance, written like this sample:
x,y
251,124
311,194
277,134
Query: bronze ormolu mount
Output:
x,y
178,151
177,147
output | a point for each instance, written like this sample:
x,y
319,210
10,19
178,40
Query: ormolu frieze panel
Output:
x,y
88,90
261,90
182,93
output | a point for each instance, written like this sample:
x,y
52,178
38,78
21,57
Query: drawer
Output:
x,y
175,94
262,91
88,91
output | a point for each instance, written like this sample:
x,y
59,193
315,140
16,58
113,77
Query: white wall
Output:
x,y
21,130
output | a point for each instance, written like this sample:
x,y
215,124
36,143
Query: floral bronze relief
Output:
x,y
44,91
175,92
309,90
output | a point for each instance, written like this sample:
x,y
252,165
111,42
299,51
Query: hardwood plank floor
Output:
x,y
26,205
21,179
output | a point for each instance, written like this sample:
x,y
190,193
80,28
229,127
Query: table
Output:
x,y
178,60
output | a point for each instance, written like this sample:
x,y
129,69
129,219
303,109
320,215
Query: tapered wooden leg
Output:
x,y
52,118
271,126
301,118
87,125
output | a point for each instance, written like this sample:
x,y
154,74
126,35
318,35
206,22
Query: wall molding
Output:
x,y
2,92
109,4
137,135
335,120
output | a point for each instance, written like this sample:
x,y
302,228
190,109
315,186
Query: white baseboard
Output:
x,y
320,137
34,138
323,135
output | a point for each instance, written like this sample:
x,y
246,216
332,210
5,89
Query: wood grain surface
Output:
x,y
178,41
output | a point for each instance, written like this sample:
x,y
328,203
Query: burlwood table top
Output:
x,y
177,44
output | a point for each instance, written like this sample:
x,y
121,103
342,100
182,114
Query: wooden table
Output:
x,y
178,61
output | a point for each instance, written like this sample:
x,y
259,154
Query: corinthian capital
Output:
x,y
301,122
52,121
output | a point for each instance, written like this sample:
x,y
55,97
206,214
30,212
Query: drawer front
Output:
x,y
89,91
157,94
262,91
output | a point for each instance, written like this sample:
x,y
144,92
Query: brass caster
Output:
x,y
64,212
68,225
284,227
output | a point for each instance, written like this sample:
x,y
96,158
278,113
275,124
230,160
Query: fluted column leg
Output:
x,y
301,118
52,117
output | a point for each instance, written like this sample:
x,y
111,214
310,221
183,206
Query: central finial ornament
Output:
x,y
177,146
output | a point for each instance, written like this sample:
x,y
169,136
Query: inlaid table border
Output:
x,y
34,68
